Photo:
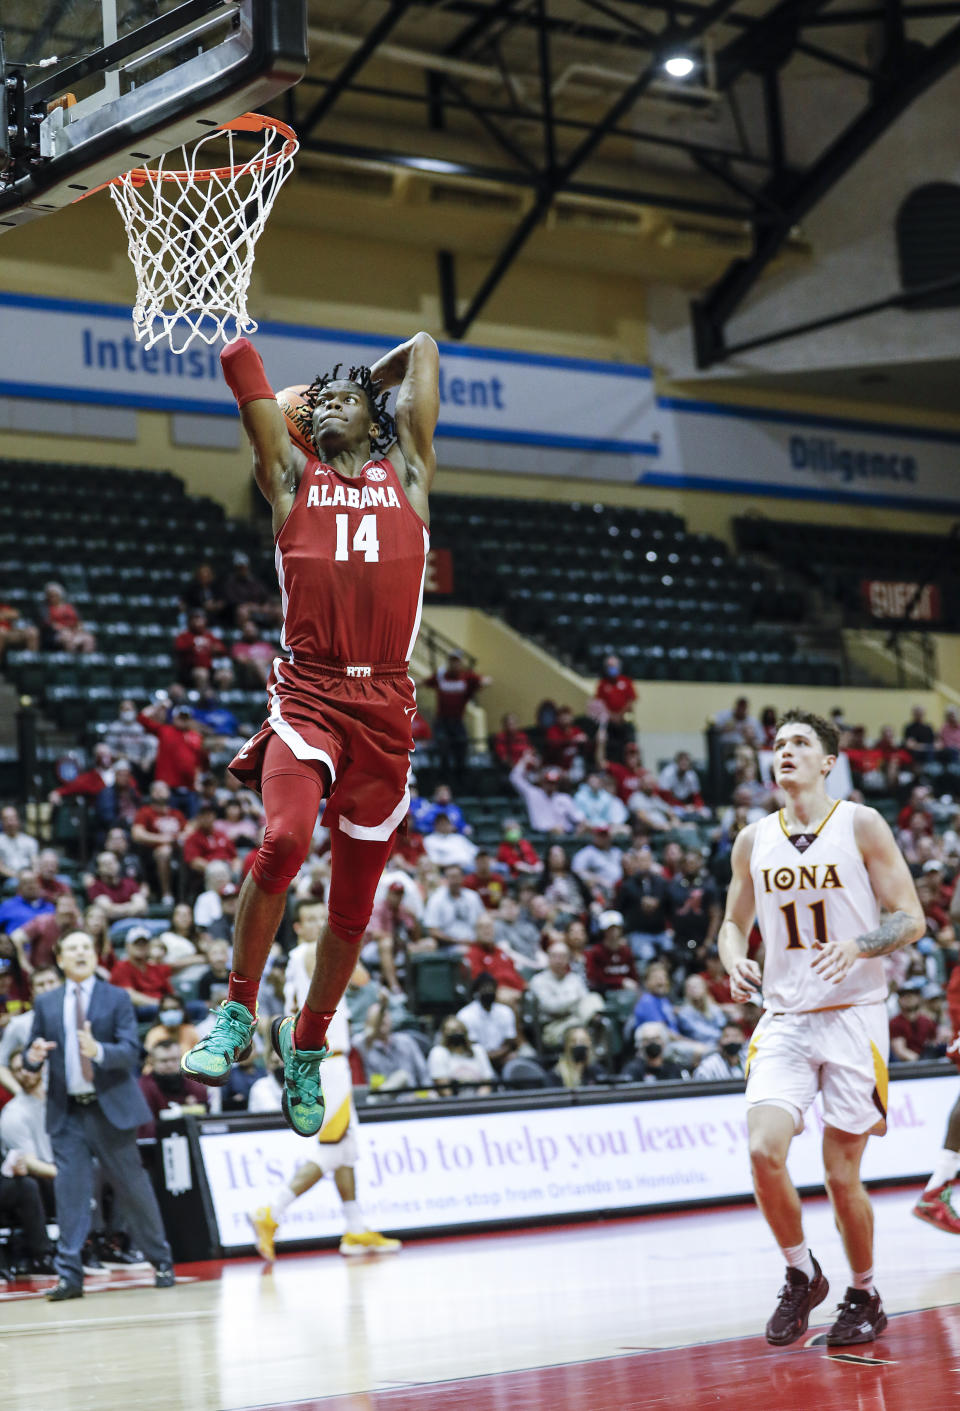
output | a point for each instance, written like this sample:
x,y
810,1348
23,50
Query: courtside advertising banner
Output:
x,y
453,1172
501,410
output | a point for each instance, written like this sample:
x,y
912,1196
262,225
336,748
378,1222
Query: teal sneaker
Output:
x,y
302,1100
228,1042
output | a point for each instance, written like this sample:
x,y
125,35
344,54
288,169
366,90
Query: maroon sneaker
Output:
x,y
798,1298
860,1318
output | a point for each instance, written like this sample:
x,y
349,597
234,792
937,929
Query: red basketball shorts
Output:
x,y
358,727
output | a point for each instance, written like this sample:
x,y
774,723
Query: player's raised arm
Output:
x,y
277,462
415,367
737,921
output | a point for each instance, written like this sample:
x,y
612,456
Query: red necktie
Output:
x,y
86,1066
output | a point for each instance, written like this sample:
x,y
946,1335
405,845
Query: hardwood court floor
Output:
x,y
655,1312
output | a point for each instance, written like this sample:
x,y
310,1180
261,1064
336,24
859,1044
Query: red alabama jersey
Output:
x,y
351,559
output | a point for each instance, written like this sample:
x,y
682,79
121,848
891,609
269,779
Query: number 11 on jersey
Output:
x,y
793,930
365,540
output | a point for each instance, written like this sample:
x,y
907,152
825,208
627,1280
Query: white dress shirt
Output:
x,y
77,1084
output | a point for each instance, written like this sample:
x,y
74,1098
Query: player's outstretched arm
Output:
x,y
738,918
414,366
893,887
277,462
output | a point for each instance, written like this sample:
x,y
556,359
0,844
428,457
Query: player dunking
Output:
x,y
352,541
816,875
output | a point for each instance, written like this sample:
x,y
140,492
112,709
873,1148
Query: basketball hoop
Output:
x,y
192,233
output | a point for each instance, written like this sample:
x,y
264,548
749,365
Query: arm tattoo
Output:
x,y
896,930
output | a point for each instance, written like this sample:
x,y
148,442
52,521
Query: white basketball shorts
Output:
x,y
337,1139
841,1053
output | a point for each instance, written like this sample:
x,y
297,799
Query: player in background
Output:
x,y
935,1204
352,541
337,1149
815,876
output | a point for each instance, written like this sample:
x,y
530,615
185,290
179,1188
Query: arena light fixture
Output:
x,y
679,65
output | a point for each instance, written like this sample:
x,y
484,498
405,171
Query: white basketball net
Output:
x,y
192,232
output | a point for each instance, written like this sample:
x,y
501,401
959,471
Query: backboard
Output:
x,y
93,88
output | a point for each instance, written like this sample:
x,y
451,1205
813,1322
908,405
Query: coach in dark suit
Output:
x,y
86,1032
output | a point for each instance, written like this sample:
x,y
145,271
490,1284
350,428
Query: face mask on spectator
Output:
x,y
128,716
168,1082
512,835
171,1018
653,1049
612,670
486,998
731,1049
579,1053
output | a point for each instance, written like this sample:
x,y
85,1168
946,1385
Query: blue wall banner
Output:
x,y
508,411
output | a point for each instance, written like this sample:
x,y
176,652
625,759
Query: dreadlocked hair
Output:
x,y
302,417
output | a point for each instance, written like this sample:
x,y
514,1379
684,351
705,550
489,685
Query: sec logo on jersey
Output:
x,y
375,472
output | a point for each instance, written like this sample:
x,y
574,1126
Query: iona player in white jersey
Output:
x,y
832,894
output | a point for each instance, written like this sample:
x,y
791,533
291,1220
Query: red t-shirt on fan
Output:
x,y
351,558
616,692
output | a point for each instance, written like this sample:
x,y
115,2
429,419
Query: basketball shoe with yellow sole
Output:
x,y
264,1228
368,1242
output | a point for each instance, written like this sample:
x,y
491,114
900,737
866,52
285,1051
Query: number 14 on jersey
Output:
x,y
365,540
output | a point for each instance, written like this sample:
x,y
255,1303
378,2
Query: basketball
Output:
x,y
296,412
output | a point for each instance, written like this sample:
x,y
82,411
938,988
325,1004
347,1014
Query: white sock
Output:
x,y
798,1257
862,1281
947,1164
356,1224
281,1202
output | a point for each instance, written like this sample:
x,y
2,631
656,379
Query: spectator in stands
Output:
x,y
919,805
448,848
391,1060
166,1088
918,736
597,800
490,1024
157,830
577,1065
394,931
510,743
18,850
36,941
428,811
26,904
679,785
565,744
654,1004
652,1062
896,761
768,727
671,860
195,649
15,1034
89,782
118,803
60,627
567,893
609,961
486,957
516,854
21,1203
694,908
716,979
117,841
172,1025
146,984
912,1033
949,738
452,911
599,864
456,1062
253,655
487,883
201,593
126,738
550,810
242,830
650,812
205,842
23,1126
220,726
208,907
699,1018
642,899
562,996
183,936
180,753
117,895
518,934
212,984
16,631
456,686
245,597
627,775
738,727
53,883
612,704
726,1061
